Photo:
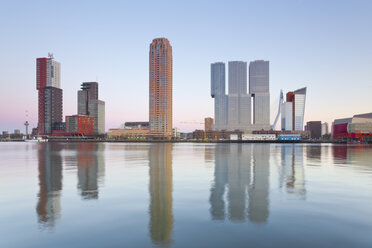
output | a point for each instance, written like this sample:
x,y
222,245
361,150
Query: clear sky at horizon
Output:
x,y
324,45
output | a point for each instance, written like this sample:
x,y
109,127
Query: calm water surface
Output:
x,y
185,195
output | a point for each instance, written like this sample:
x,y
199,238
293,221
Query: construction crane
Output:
x,y
281,100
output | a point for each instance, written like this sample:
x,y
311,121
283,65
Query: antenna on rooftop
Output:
x,y
50,55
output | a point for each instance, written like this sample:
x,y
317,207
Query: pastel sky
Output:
x,y
324,45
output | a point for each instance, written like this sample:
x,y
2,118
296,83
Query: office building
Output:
x,y
160,88
259,88
239,102
208,124
286,114
293,110
90,105
325,129
79,125
48,82
315,128
299,109
52,108
218,92
239,112
237,77
233,111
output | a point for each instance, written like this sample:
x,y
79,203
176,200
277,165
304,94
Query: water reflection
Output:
x,y
241,169
314,153
291,172
160,188
91,165
50,181
339,154
360,156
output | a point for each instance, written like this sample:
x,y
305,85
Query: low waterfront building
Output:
x,y
79,125
355,129
128,133
130,130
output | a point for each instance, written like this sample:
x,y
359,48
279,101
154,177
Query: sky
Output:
x,y
323,45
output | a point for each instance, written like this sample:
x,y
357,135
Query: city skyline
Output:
x,y
305,45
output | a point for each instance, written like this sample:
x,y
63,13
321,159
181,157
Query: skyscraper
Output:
x,y
219,94
90,105
160,88
293,110
259,88
239,102
48,82
237,77
299,109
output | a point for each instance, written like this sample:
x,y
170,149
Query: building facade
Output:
x,y
48,83
233,111
218,92
299,109
79,125
90,105
325,129
52,108
259,88
315,128
160,88
293,110
357,128
287,116
237,77
239,102
208,124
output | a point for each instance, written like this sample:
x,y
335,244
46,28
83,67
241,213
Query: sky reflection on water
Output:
x,y
181,195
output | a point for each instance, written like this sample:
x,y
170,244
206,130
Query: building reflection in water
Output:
x,y
314,153
339,154
243,170
160,187
357,155
91,166
50,181
291,172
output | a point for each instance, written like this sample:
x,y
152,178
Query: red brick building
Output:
x,y
79,125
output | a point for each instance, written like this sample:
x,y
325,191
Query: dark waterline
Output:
x,y
185,195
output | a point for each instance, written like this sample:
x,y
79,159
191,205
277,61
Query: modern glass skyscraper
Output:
x,y
219,94
48,83
89,105
237,77
239,102
299,109
293,110
160,88
259,88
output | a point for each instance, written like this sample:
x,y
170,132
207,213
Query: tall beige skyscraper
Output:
x,y
160,87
